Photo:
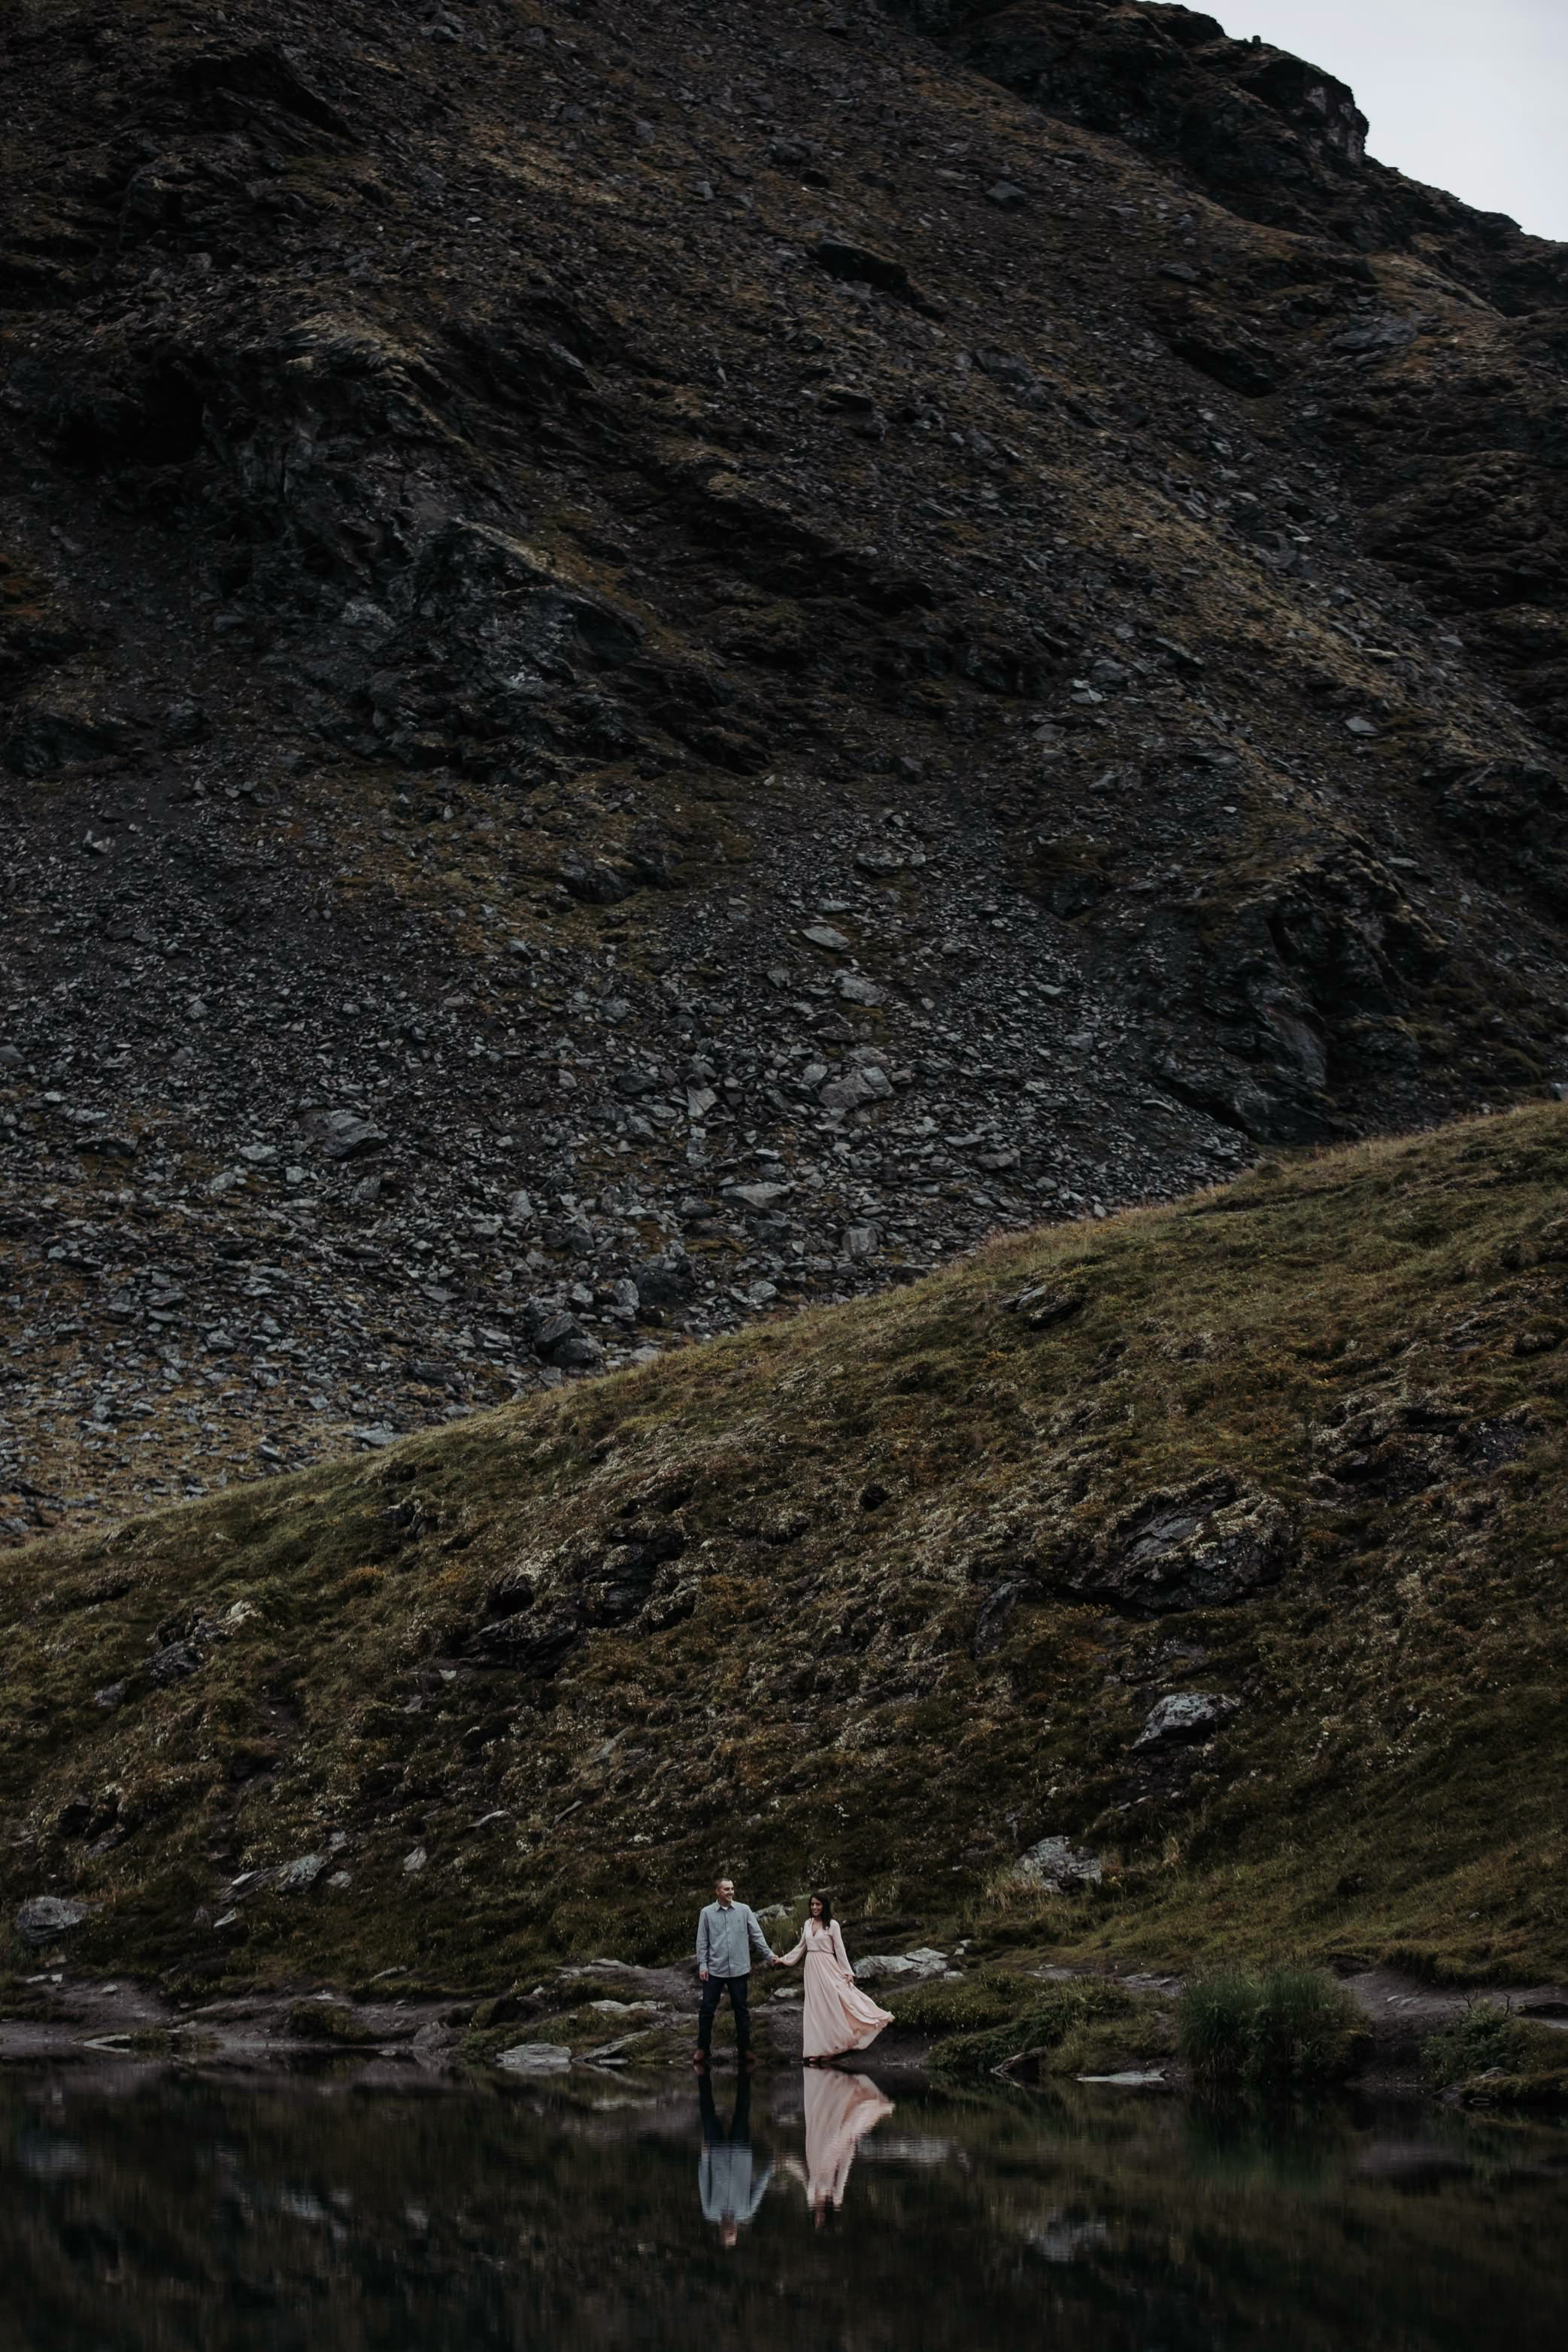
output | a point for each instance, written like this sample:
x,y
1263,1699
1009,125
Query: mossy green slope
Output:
x,y
837,1600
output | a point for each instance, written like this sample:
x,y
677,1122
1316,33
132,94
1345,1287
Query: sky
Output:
x,y
1469,95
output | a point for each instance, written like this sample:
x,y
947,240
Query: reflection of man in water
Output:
x,y
726,2184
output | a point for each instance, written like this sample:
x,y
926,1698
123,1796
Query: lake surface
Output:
x,y
147,2211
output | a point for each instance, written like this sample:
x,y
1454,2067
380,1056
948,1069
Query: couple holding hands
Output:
x,y
836,2015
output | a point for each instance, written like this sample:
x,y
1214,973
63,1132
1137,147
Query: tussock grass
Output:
x,y
1370,1339
1286,2028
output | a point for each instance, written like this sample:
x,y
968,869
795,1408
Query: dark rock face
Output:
x,y
1203,1545
490,559
1265,133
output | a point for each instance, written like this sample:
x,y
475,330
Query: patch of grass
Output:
x,y
328,2020
1282,2028
1091,2026
979,2003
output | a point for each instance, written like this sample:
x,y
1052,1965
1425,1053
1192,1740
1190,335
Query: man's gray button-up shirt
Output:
x,y
727,1940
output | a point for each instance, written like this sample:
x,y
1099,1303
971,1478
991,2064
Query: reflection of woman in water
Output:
x,y
839,2111
838,2015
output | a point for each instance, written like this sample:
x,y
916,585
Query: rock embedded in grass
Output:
x,y
45,1918
1185,1715
1056,1861
1213,1542
302,1873
878,1965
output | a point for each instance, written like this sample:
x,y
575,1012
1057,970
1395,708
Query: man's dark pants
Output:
x,y
714,1991
739,2132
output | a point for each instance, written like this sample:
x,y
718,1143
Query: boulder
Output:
x,y
559,1337
1186,1715
1056,1861
45,1917
879,1965
341,1134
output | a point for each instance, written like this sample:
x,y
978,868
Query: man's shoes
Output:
x,y
745,2061
699,2061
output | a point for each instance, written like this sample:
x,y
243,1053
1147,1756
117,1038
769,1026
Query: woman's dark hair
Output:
x,y
827,1903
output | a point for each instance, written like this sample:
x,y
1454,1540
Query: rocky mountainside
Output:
x,y
663,661
1189,1584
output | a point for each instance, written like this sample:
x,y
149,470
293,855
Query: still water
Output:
x,y
144,2212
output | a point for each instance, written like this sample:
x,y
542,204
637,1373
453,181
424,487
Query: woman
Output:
x,y
838,2015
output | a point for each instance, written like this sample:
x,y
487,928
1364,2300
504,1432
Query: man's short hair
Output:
x,y
724,1879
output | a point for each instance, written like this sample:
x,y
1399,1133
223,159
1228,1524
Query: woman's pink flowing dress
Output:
x,y
838,2015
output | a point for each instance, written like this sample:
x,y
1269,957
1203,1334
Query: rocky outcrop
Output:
x,y
1206,1545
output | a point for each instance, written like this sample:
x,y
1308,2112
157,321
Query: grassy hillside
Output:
x,y
882,1596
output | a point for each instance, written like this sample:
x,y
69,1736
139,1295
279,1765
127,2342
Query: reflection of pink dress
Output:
x,y
838,2015
839,2111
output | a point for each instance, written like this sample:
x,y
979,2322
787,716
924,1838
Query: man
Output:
x,y
728,1935
727,2185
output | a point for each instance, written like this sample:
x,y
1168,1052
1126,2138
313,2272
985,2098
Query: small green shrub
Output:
x,y
1488,2035
1269,2029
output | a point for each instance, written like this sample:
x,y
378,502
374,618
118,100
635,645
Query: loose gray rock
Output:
x,y
343,1135
856,989
757,1196
45,1916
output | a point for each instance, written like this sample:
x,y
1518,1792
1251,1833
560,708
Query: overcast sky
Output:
x,y
1466,94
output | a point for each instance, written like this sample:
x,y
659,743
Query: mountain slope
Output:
x,y
663,662
1222,1541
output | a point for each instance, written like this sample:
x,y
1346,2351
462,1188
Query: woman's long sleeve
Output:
x,y
843,1959
788,1959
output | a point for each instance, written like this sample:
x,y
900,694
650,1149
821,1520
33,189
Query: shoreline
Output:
x,y
431,2038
